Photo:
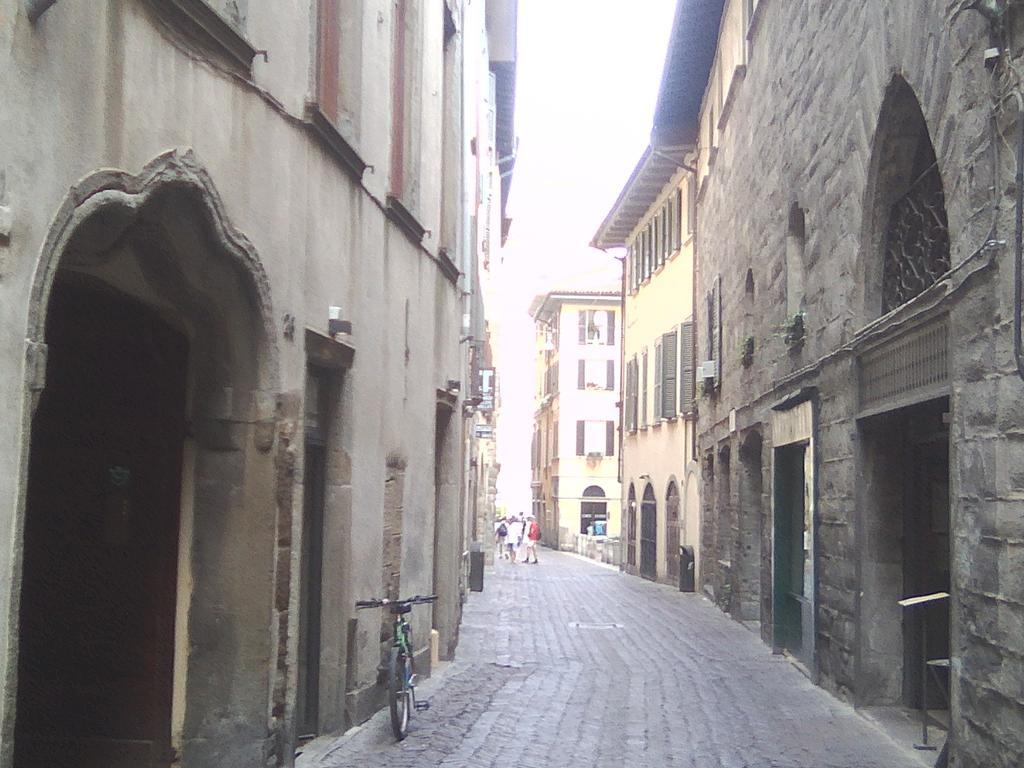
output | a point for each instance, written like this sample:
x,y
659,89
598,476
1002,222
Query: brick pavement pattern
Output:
x,y
569,663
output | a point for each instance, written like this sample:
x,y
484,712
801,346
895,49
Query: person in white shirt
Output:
x,y
515,538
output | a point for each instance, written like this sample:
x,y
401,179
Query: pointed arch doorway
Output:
x,y
150,484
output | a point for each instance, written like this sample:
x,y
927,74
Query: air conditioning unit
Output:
x,y
707,370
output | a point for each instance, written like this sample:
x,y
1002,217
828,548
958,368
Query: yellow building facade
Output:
x,y
653,222
575,485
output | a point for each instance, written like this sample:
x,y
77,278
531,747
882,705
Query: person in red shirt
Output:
x,y
532,537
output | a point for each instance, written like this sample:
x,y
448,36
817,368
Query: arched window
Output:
x,y
594,511
908,227
796,240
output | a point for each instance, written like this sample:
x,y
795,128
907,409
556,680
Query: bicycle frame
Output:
x,y
401,632
401,686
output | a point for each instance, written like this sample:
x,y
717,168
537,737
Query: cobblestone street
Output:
x,y
572,664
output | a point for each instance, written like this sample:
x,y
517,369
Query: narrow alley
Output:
x,y
575,664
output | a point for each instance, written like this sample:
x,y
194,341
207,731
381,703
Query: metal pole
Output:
x,y
924,745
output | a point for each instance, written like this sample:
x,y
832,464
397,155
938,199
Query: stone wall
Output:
x,y
799,130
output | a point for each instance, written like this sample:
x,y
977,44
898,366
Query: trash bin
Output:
x,y
476,567
686,569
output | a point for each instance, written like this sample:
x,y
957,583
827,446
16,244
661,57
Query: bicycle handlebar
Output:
x,y
379,602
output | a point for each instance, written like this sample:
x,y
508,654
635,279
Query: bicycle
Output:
x,y
401,675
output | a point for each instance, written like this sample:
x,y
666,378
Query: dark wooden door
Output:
x,y
96,655
672,533
649,535
790,558
311,591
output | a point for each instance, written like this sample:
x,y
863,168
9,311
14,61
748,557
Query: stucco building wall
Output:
x,y
660,453
116,85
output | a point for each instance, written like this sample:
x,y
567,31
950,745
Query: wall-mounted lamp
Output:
x,y
335,323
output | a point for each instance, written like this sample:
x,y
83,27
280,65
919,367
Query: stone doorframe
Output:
x,y
235,416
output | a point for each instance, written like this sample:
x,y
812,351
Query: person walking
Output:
x,y
532,537
500,534
515,538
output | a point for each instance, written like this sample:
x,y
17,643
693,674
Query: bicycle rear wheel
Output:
x,y
399,692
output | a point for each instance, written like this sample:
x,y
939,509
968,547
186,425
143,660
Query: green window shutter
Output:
x,y
631,395
669,363
609,449
643,389
581,374
583,326
611,328
691,205
611,375
717,348
687,368
656,411
580,427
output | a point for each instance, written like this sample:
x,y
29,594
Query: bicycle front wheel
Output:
x,y
399,691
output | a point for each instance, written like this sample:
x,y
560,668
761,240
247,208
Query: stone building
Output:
x,y
653,221
858,328
233,248
492,160
575,483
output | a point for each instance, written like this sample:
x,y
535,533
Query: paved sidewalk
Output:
x,y
567,664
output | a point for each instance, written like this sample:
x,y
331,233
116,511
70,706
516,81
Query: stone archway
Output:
x,y
152,315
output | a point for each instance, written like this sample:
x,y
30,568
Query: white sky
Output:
x,y
587,79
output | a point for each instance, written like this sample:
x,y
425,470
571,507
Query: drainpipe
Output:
x,y
36,8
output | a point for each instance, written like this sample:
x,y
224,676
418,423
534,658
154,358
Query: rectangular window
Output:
x,y
610,375
669,359
691,205
650,249
580,434
399,84
656,414
609,449
630,397
656,236
677,229
666,238
643,390
596,326
594,437
630,265
687,384
714,327
328,57
593,374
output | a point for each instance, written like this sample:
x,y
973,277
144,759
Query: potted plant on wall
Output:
x,y
747,352
795,331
